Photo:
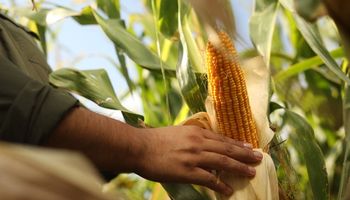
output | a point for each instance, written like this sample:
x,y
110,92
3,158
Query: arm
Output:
x,y
35,113
170,154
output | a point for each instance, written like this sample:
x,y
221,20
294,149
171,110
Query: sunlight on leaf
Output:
x,y
262,22
312,37
94,85
159,193
168,17
85,17
58,14
133,47
305,65
190,87
110,7
306,144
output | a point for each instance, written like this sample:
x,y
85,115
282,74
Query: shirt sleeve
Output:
x,y
29,110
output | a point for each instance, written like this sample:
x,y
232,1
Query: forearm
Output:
x,y
110,144
184,154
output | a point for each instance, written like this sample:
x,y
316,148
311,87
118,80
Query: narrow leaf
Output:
x,y
94,85
183,192
346,163
123,68
262,25
305,65
312,37
38,17
186,36
110,7
306,144
133,47
45,17
86,17
168,17
58,14
190,88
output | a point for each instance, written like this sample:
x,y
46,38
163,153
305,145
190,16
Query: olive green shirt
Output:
x,y
29,107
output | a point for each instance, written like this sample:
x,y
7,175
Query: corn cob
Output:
x,y
229,93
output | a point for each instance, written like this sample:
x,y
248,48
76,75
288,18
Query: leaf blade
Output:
x,y
132,47
94,85
305,65
313,39
263,29
314,159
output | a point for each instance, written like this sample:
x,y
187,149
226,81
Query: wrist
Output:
x,y
140,151
136,149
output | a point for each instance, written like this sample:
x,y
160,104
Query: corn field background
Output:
x,y
159,54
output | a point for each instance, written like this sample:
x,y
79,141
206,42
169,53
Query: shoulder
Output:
x,y
17,43
7,20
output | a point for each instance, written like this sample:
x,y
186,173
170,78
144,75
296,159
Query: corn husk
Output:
x,y
39,174
264,186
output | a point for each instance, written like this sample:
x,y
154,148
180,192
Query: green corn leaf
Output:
x,y
130,45
45,17
262,25
168,17
184,192
110,7
305,65
192,88
94,85
305,143
346,163
312,37
85,17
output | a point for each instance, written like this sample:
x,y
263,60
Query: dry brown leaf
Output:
x,y
40,174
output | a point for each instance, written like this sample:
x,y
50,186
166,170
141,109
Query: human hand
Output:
x,y
188,154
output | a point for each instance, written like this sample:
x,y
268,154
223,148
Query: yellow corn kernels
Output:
x,y
228,91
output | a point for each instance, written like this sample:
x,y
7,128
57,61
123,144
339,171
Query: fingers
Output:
x,y
207,179
215,161
236,152
221,138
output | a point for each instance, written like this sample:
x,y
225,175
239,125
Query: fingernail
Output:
x,y
248,145
258,155
251,171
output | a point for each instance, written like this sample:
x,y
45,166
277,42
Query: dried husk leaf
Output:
x,y
200,119
257,80
264,186
40,174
